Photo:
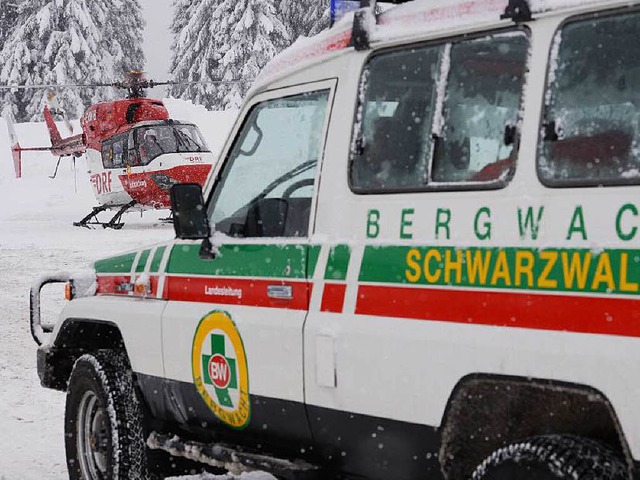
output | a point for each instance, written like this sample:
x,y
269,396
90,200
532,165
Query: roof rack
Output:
x,y
361,20
367,15
518,11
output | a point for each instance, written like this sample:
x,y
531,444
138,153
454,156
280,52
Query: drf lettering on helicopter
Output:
x,y
101,182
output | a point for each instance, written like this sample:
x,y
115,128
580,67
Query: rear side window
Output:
x,y
114,152
440,116
590,130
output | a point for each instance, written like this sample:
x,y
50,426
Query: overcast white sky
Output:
x,y
157,40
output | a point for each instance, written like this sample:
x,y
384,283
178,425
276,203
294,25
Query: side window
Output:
x,y
119,152
393,134
590,130
114,152
481,110
441,115
107,154
266,186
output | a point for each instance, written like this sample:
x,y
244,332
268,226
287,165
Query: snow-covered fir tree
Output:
x,y
251,35
8,18
228,40
123,35
62,42
321,20
302,17
192,47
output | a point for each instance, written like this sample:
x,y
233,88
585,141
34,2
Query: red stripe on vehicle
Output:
x,y
298,55
333,297
599,315
233,291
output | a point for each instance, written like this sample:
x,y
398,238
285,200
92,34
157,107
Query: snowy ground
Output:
x,y
36,237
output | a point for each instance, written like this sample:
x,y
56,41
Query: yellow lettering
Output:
x,y
437,256
478,266
576,270
524,266
625,285
550,258
501,270
413,272
603,273
451,265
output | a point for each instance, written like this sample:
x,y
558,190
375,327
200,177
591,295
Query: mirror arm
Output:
x,y
207,250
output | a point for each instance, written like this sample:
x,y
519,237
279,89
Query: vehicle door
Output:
x,y
232,329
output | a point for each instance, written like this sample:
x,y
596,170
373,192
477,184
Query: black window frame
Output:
x,y
577,183
496,184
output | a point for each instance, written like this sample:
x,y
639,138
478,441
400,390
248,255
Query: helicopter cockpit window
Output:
x,y
156,140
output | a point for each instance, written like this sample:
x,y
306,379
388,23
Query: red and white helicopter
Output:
x,y
134,151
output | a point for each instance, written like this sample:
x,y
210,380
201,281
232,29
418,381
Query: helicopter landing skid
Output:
x,y
168,219
115,223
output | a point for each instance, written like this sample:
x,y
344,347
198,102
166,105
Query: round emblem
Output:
x,y
219,367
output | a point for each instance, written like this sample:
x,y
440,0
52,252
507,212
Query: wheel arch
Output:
x,y
76,337
486,412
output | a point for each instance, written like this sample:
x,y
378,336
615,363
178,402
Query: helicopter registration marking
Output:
x,y
101,182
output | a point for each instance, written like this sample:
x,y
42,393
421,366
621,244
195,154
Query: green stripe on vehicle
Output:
x,y
157,258
564,270
314,253
338,263
281,261
142,262
119,264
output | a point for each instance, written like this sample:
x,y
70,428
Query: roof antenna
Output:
x,y
363,20
518,11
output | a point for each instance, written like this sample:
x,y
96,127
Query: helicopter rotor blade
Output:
x,y
53,86
144,84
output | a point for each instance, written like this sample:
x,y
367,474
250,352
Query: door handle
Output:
x,y
280,292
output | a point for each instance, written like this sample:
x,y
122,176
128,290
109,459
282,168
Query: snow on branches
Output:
x,y
69,42
231,41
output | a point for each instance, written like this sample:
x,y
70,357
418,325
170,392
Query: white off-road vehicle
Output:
x,y
417,258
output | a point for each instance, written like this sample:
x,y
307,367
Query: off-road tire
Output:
x,y
102,383
552,457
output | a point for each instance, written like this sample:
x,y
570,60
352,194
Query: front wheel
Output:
x,y
103,423
552,457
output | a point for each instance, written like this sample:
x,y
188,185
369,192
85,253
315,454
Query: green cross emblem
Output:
x,y
220,371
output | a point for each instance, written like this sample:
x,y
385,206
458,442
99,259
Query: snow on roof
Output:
x,y
404,20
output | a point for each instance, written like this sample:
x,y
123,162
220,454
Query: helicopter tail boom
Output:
x,y
62,147
59,146
54,133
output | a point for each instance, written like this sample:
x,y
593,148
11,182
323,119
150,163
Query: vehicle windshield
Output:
x,y
151,141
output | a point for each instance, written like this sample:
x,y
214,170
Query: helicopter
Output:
x,y
134,152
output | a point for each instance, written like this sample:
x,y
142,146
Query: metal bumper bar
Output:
x,y
37,329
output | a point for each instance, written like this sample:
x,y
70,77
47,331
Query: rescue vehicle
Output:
x,y
417,258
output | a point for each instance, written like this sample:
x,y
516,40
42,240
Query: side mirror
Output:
x,y
190,220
